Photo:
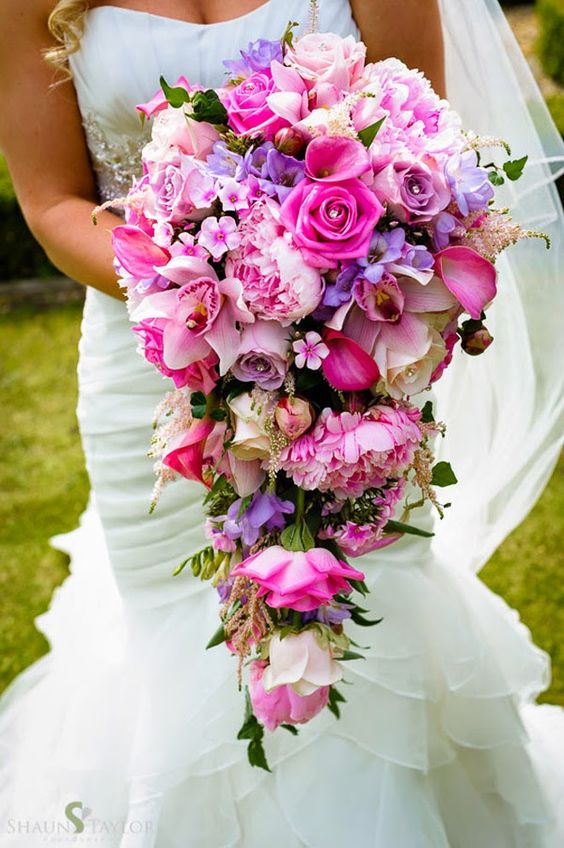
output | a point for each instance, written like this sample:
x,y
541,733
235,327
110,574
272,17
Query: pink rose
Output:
x,y
299,660
294,416
248,109
283,705
301,580
331,222
328,58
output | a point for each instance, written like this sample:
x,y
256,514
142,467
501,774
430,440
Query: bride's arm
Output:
x,y
41,137
407,29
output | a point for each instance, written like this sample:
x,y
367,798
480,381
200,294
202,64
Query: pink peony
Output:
x,y
277,284
347,453
283,705
301,580
359,539
248,109
328,58
331,222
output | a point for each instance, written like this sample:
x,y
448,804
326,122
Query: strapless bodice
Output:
x,y
124,52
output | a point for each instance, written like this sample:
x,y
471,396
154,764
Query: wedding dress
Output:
x,y
124,735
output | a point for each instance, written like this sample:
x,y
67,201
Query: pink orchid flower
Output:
x,y
348,367
468,276
333,158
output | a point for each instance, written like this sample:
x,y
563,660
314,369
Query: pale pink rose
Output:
x,y
300,580
263,355
175,129
282,705
416,189
328,58
179,188
298,660
347,453
250,440
408,374
277,283
294,416
331,222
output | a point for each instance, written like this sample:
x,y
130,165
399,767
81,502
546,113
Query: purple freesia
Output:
x,y
283,171
469,183
265,512
332,613
223,162
257,57
337,293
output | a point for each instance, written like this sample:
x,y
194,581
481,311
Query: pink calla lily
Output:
x,y
159,102
136,252
348,367
187,454
335,158
468,276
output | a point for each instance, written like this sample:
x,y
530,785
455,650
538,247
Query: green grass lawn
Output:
x,y
43,488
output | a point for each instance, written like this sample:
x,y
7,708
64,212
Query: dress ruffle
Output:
x,y
439,743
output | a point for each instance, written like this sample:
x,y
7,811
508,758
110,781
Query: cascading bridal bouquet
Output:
x,y
298,255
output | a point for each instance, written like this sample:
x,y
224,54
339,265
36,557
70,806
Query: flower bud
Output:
x,y
477,342
289,141
293,416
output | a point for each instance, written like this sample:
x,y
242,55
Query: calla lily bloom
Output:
x,y
348,367
159,102
186,456
333,158
468,276
137,253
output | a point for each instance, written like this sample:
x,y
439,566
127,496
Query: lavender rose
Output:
x,y
263,355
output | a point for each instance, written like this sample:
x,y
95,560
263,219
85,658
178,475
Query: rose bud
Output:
x,y
293,416
477,342
289,141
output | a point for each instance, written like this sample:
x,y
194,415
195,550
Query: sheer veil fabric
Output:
x,y
131,722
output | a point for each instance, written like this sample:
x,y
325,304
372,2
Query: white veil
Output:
x,y
504,409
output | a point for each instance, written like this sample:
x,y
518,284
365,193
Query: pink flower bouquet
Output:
x,y
302,253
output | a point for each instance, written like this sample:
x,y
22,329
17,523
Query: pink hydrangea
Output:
x,y
347,453
277,283
283,705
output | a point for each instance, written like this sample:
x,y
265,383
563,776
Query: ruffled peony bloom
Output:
x,y
300,580
282,705
331,222
299,660
347,453
359,539
277,284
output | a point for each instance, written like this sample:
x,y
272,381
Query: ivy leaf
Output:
x,y
427,413
175,95
514,168
368,134
496,178
207,106
443,475
399,527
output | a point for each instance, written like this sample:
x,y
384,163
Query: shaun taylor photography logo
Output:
x,y
79,825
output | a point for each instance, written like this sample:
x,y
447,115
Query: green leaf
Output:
x,y
297,537
218,637
399,527
351,655
364,622
360,586
514,168
287,39
181,567
443,475
335,698
199,411
496,178
256,754
368,134
290,728
218,414
427,413
176,95
198,399
207,106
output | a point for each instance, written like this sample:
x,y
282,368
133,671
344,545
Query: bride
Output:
x,y
125,733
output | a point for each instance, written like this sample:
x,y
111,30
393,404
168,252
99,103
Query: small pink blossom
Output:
x,y
233,196
310,351
219,236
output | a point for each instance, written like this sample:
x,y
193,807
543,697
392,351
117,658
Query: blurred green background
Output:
x,y
43,483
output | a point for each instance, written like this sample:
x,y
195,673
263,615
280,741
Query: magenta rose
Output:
x,y
282,705
331,222
248,109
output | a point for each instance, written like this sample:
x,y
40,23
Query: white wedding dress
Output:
x,y
131,722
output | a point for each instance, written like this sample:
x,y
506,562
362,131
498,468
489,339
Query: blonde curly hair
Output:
x,y
66,25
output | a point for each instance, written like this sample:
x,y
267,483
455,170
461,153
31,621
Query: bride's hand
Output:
x,y
407,29
42,139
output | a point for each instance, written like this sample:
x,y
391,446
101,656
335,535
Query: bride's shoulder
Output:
x,y
25,14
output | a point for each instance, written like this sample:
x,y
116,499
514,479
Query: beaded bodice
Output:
x,y
124,52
